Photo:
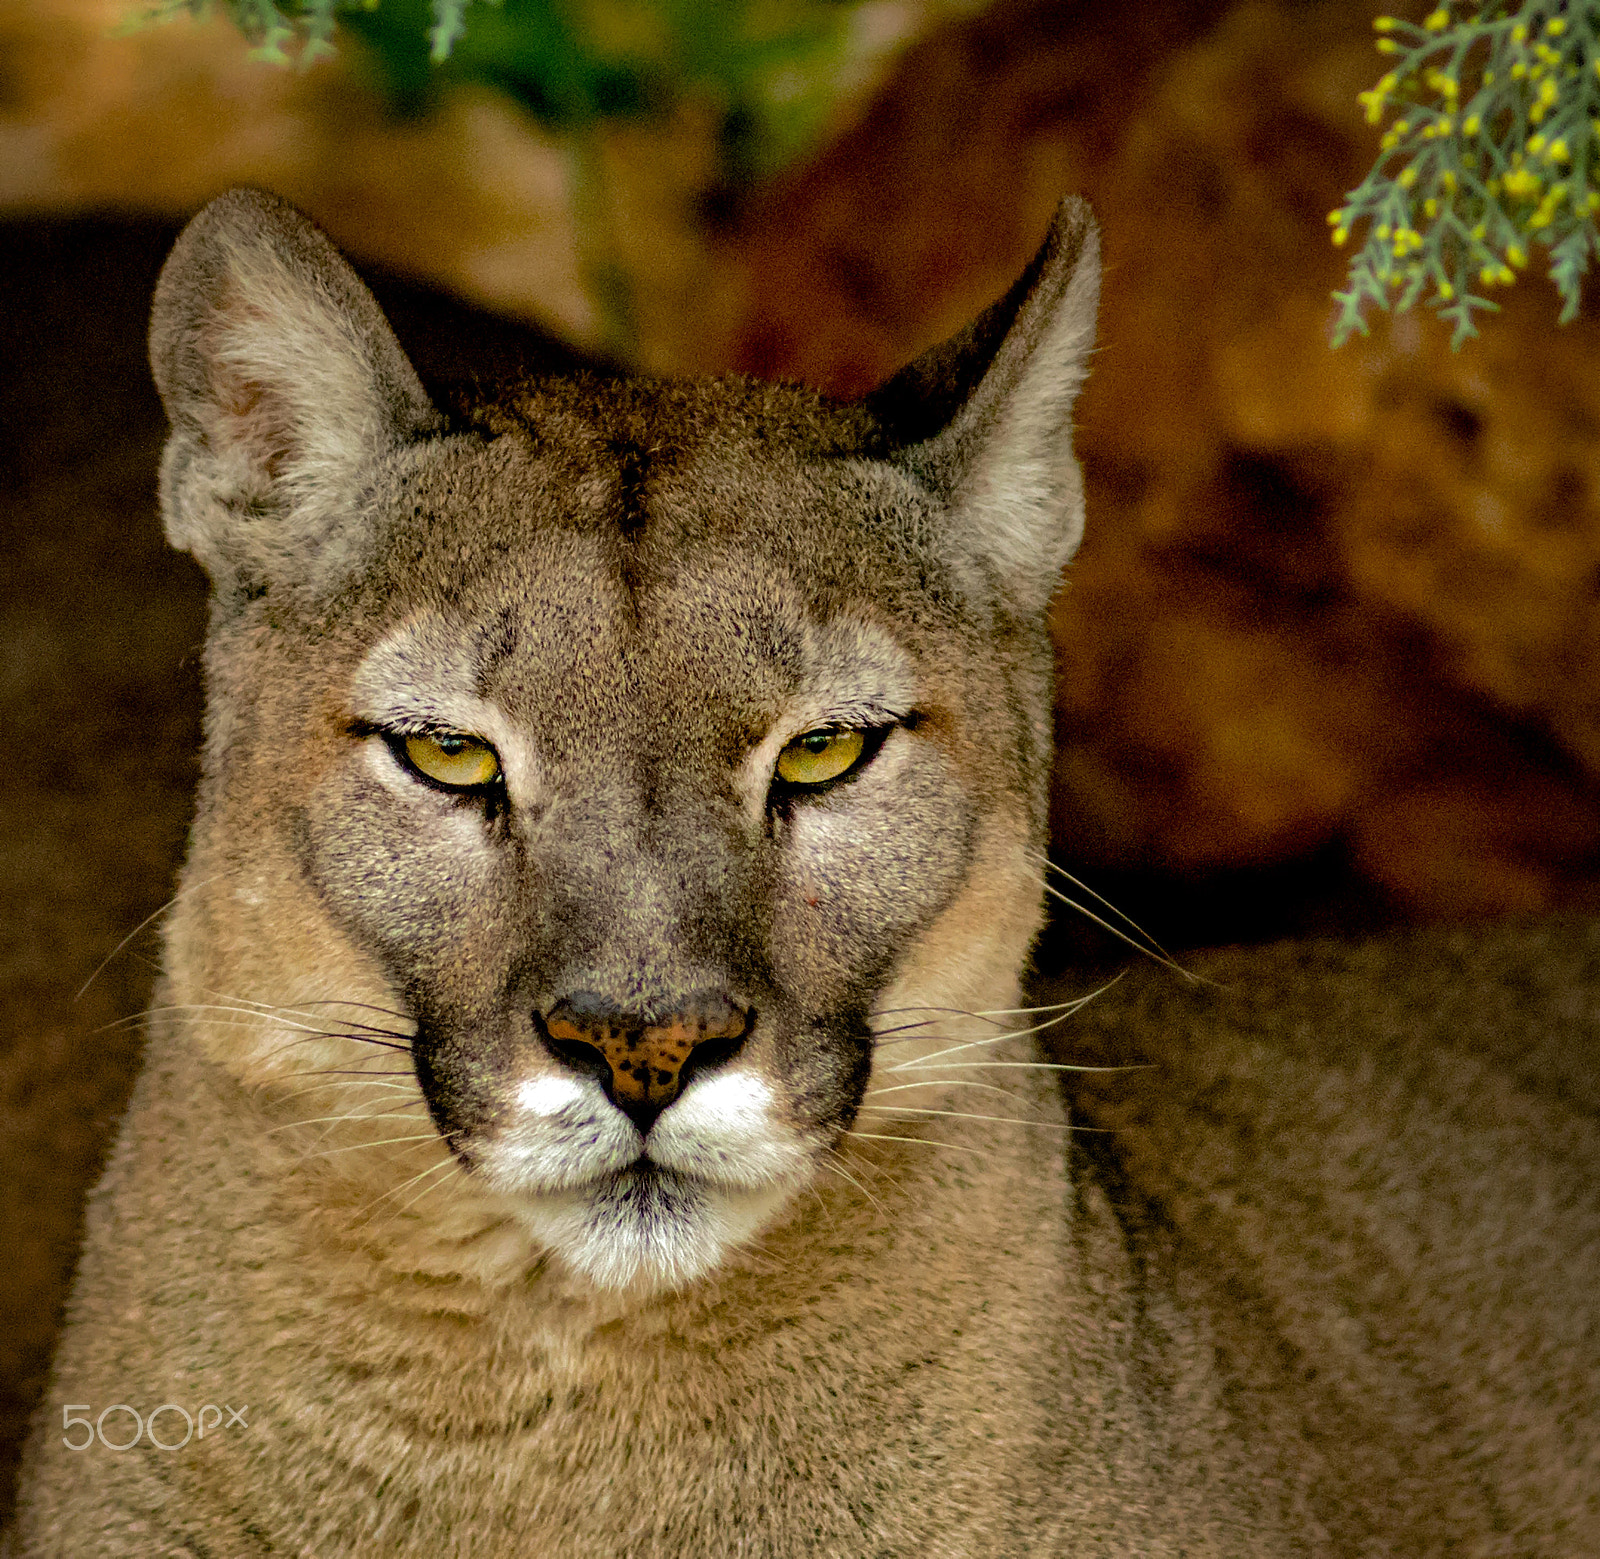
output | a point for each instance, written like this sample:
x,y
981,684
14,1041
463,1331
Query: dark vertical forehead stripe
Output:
x,y
632,508
632,472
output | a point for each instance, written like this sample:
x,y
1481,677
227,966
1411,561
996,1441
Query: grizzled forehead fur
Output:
x,y
684,533
653,480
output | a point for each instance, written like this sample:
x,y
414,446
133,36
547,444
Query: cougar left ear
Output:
x,y
986,418
283,383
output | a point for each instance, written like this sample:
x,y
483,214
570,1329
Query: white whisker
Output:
x,y
386,1142
285,1013
1121,936
354,1115
831,1161
155,915
352,1081
255,1017
921,1142
362,1006
952,1082
450,1165
1032,1066
1062,1012
377,1202
1100,899
960,1115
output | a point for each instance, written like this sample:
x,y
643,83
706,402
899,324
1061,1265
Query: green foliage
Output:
x,y
770,67
1494,148
306,26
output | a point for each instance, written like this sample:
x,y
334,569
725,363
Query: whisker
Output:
x,y
905,1028
360,1006
954,1082
284,1012
1032,1066
239,1014
1068,1010
832,1162
319,1120
355,1080
1058,1006
966,1012
155,915
1100,899
1121,936
311,1035
354,1147
377,1202
970,1044
1061,1010
921,1142
410,1201
957,1012
350,1077
1064,1009
251,1017
960,1115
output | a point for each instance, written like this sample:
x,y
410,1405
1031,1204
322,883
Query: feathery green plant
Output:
x,y
1495,148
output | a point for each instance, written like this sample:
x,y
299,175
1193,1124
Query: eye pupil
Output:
x,y
451,745
817,741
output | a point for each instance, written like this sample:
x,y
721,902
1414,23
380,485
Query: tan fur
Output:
x,y
853,1291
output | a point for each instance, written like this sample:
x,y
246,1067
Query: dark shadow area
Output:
x,y
1323,895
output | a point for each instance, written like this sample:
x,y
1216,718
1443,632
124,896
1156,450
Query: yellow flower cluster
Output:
x,y
1482,158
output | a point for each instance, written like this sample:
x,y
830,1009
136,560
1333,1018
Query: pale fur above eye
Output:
x,y
454,761
821,755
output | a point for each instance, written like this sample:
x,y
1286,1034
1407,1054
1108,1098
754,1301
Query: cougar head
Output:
x,y
622,749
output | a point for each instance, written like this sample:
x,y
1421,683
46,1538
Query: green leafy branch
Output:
x,y
306,26
1495,147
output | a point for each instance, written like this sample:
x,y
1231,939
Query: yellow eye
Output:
x,y
460,762
820,755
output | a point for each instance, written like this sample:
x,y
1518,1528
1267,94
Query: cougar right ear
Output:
x,y
985,420
283,383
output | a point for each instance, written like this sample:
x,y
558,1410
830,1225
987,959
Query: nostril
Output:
x,y
574,1031
710,1054
580,1055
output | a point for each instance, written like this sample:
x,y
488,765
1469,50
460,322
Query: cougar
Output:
x,y
590,1105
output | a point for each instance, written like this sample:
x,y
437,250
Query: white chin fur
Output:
x,y
648,1232
724,1167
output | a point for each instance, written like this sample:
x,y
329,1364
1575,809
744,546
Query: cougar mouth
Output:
x,y
646,1226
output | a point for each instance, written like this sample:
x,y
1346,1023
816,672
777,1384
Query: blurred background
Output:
x,y
1329,659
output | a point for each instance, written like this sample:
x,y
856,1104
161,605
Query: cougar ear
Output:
x,y
283,383
986,418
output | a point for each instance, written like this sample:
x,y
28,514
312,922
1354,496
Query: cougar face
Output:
x,y
633,746
641,962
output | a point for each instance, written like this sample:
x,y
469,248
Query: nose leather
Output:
x,y
646,1060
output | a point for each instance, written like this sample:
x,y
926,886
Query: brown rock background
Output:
x,y
1330,656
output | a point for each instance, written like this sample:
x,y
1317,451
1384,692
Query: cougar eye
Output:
x,y
457,762
821,755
